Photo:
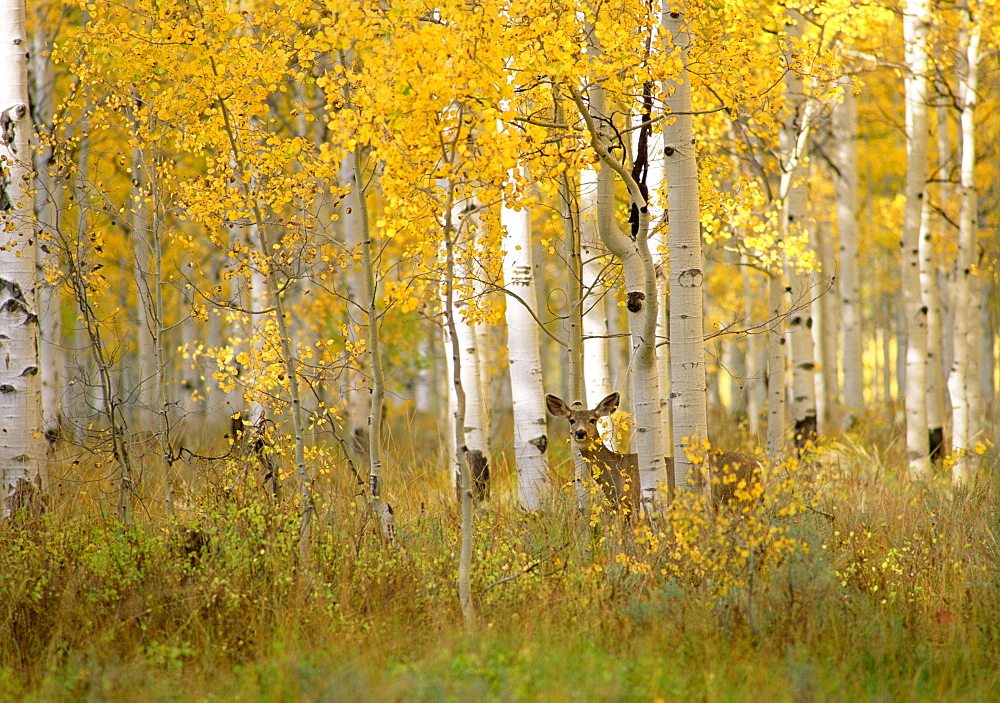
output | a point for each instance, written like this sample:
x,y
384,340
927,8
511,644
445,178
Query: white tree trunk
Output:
x,y
20,384
640,286
754,386
596,187
794,223
476,426
845,130
777,426
525,361
140,221
48,202
353,384
932,300
963,380
825,336
656,182
687,275
916,18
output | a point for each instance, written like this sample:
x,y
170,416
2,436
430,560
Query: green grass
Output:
x,y
889,591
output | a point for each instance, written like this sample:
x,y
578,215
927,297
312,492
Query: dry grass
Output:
x,y
871,588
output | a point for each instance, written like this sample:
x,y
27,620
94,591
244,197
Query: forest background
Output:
x,y
283,286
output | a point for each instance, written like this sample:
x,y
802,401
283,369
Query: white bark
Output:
x,y
825,336
776,359
963,381
932,300
527,392
755,364
476,427
640,286
687,276
353,384
20,385
140,221
596,191
845,128
916,19
460,455
48,200
658,227
794,224
574,327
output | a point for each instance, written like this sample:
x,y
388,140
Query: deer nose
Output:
x,y
581,434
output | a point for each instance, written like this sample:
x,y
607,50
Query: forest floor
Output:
x,y
848,583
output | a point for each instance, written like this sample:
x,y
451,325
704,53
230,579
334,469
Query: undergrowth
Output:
x,y
844,581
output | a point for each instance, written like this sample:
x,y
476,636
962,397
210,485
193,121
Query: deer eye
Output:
x,y
593,421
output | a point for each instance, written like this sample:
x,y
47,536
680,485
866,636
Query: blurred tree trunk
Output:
x,y
48,204
845,135
963,381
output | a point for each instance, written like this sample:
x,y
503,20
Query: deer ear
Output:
x,y
557,406
608,405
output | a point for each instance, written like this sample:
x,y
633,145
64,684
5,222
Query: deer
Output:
x,y
618,474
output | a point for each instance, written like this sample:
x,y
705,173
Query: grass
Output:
x,y
874,589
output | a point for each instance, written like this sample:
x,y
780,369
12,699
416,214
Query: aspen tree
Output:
x,y
575,381
916,18
794,224
687,347
935,289
963,379
597,208
462,323
930,295
846,184
351,384
20,384
527,391
380,507
464,470
640,285
48,202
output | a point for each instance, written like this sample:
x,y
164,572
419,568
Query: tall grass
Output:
x,y
879,589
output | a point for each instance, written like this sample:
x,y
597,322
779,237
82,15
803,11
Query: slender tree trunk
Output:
x,y
527,391
936,292
795,224
754,386
465,485
285,342
575,387
776,359
48,202
379,506
475,429
932,300
597,190
641,303
353,382
963,379
688,389
656,182
916,19
825,335
845,128
21,451
140,222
